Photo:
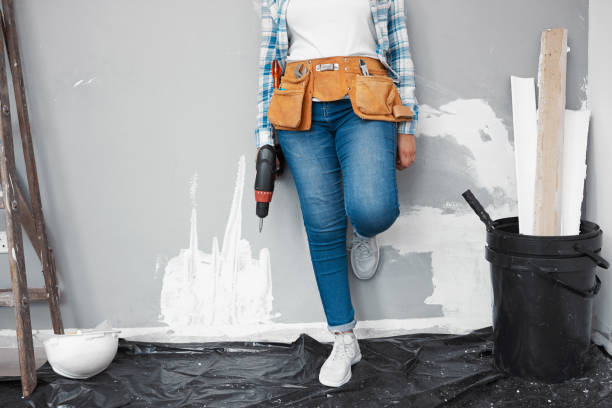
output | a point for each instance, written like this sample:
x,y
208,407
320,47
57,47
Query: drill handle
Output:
x,y
266,168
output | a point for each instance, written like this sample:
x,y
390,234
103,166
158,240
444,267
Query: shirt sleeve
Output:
x,y
264,132
401,62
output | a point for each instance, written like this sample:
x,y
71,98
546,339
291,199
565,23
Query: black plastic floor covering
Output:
x,y
420,370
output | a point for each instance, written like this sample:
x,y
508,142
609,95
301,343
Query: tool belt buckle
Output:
x,y
327,67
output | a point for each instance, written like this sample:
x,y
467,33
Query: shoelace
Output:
x,y
340,348
360,244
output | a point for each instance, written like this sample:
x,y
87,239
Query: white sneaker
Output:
x,y
365,255
336,370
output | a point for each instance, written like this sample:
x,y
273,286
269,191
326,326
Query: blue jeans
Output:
x,y
344,165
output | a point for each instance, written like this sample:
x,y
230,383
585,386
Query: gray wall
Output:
x,y
599,196
161,98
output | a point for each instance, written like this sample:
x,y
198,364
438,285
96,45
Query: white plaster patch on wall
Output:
x,y
466,120
584,88
161,261
460,272
456,240
193,189
226,287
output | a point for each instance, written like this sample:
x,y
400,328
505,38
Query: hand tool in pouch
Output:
x,y
267,171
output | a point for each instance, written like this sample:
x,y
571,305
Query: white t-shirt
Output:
x,y
328,28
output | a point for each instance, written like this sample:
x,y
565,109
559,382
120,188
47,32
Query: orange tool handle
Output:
x,y
276,73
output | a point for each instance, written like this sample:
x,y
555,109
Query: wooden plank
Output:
x,y
34,295
551,123
525,124
54,271
15,242
27,221
12,45
574,169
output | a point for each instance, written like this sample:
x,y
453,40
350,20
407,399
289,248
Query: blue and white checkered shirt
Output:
x,y
392,41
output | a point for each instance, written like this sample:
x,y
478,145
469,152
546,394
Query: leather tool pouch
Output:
x,y
374,94
290,108
376,97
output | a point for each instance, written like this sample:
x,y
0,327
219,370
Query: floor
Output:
x,y
420,370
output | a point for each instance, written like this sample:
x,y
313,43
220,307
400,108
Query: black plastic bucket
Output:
x,y
543,289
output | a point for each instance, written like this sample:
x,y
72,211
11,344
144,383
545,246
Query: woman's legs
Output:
x,y
312,159
342,165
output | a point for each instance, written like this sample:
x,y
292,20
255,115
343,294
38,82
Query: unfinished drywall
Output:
x,y
598,193
130,99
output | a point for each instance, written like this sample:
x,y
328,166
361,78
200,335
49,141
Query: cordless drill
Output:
x,y
267,173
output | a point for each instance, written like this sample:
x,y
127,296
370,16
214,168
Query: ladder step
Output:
x,y
34,294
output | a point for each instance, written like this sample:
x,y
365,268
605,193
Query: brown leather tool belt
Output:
x,y
371,90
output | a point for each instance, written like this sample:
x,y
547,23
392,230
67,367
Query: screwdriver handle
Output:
x,y
276,73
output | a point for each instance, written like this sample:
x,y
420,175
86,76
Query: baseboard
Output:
x,y
280,332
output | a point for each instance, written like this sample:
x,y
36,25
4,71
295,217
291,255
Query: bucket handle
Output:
x,y
589,293
506,261
600,261
478,209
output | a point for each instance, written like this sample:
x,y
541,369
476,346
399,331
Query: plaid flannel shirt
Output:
x,y
392,50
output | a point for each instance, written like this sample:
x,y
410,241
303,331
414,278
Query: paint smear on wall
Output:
x,y
456,239
226,287
81,82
